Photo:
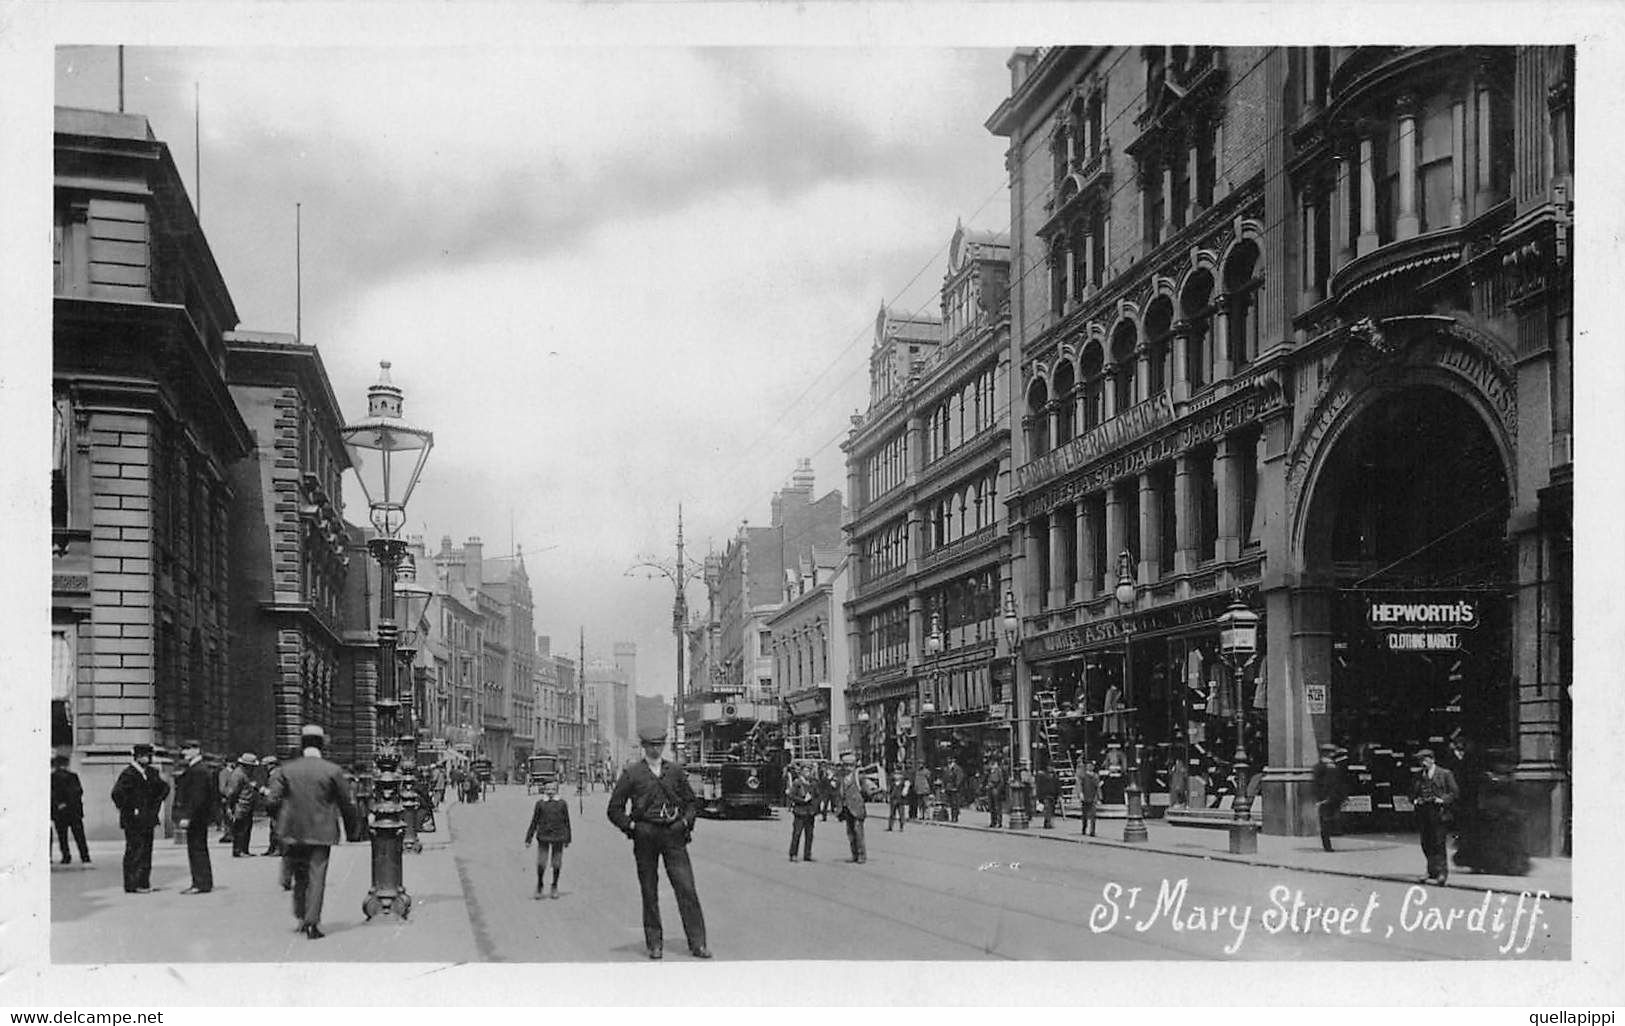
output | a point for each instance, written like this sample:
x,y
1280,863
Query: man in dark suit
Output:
x,y
953,782
1047,789
68,808
1434,793
309,794
194,802
660,822
1330,790
851,808
139,794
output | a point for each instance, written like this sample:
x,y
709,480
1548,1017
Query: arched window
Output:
x,y
1123,339
1159,324
1038,411
1091,369
1241,304
1196,309
1065,385
1057,276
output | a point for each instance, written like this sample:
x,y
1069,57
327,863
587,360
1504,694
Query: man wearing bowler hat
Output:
x,y
139,794
659,823
194,801
309,794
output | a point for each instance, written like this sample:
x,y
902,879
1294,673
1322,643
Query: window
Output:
x,y
1207,505
1241,296
1167,538
1065,400
764,642
1038,418
1179,201
1152,202
1094,384
1057,277
1123,360
1097,253
1435,164
1158,334
1207,164
61,445
1197,309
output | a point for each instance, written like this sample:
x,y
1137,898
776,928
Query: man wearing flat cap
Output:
x,y
194,801
659,822
139,794
1330,790
309,794
1434,793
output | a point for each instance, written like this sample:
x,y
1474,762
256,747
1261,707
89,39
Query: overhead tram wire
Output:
x,y
1022,276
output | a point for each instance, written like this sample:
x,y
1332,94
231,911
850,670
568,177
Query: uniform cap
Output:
x,y
142,749
652,736
269,759
1420,752
191,742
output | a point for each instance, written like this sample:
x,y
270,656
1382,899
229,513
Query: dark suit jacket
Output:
x,y
195,796
550,822
67,796
139,795
639,786
309,794
1441,788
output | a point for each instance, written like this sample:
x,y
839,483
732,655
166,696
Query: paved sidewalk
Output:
x,y
248,917
1377,856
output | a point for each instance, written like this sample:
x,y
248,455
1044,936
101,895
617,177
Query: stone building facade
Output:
x,y
1294,325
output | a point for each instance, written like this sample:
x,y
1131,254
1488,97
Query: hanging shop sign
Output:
x,y
1429,623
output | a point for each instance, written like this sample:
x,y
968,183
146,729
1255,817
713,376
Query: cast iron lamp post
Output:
x,y
411,599
1019,716
388,456
1134,822
933,648
679,576
1238,644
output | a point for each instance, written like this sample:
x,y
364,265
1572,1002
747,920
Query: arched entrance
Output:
x,y
1405,538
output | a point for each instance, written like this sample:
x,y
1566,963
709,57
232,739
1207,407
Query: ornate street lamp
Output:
x,y
1020,711
933,648
411,599
388,457
1238,645
1126,592
679,576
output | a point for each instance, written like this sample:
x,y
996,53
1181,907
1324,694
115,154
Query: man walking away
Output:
x,y
1048,791
996,781
550,826
139,794
194,803
851,808
953,782
1434,793
310,794
1330,790
68,808
660,822
1088,783
803,803
897,797
919,796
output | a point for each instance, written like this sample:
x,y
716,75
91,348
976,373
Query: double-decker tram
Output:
x,y
734,757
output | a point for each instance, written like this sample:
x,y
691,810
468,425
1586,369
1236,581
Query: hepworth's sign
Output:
x,y
1135,422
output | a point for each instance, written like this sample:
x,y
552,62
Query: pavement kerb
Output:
x,y
1469,883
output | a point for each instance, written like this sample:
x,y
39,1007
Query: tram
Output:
x,y
734,759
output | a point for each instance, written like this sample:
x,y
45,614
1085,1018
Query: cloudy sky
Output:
x,y
610,280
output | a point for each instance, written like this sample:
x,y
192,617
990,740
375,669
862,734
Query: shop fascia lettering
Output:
x,y
1183,439
1421,626
1091,634
1135,422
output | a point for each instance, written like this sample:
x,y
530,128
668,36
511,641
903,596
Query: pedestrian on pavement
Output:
x,y
550,827
953,785
919,795
193,806
1434,794
310,794
996,783
851,808
139,794
68,808
244,795
826,791
1047,789
273,844
224,777
1088,788
803,799
898,797
1330,790
660,822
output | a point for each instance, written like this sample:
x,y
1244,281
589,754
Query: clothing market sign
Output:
x,y
1429,624
1153,621
1135,422
1207,426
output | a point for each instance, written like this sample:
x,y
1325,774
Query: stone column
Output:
x,y
1179,389
1342,250
1088,260
1068,303
1108,393
1308,297
1167,231
1184,516
1227,481
1150,533
1458,161
1088,574
1368,199
1407,224
1142,371
1219,336
1484,197
1192,168
1114,538
1058,529
1033,583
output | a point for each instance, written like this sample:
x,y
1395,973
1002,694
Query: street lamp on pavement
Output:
x,y
933,648
411,599
1238,645
1019,715
1126,592
388,457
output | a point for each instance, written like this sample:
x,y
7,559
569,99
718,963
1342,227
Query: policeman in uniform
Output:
x,y
660,821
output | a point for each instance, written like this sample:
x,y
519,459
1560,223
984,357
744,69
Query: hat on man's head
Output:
x,y
59,760
1427,752
311,735
192,742
1328,749
652,736
847,756
249,759
269,759
141,749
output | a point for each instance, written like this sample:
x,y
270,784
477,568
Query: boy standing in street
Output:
x,y
550,827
